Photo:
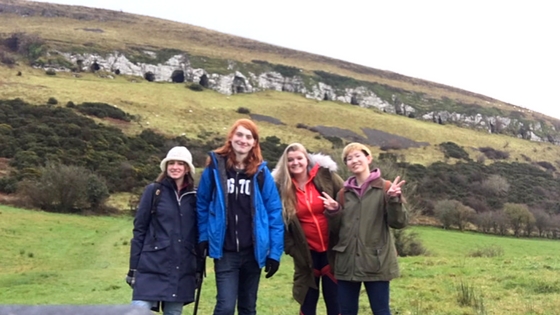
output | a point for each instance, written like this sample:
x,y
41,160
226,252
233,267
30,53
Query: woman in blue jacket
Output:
x,y
239,219
164,269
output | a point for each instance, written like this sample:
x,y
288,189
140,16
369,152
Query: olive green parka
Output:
x,y
365,250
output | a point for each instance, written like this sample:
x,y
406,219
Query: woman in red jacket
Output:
x,y
302,180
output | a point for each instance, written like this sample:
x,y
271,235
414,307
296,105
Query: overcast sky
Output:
x,y
508,50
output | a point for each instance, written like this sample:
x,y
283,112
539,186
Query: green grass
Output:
x,y
50,258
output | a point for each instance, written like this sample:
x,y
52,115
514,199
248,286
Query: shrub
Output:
x,y
8,185
102,110
484,222
408,243
488,251
243,110
96,191
50,72
65,188
519,216
452,150
29,45
392,144
495,185
301,126
70,104
452,212
196,87
467,296
7,59
547,165
494,154
52,101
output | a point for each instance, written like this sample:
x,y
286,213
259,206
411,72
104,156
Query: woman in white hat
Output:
x,y
165,268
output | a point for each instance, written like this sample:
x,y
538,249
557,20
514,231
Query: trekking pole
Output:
x,y
199,289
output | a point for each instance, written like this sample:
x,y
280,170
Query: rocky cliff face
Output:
x,y
237,82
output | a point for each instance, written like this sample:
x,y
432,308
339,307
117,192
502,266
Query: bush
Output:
x,y
452,212
494,154
102,110
196,87
50,72
7,59
452,150
29,45
64,188
52,101
70,104
488,251
408,243
243,110
8,185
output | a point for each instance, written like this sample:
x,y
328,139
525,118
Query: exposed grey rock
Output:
x,y
238,82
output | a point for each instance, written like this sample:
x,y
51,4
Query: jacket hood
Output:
x,y
323,160
316,158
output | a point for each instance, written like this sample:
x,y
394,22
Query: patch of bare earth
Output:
x,y
268,119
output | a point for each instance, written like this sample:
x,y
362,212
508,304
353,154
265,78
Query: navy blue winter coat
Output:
x,y
163,246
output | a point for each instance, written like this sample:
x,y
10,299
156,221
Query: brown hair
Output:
x,y
253,159
188,178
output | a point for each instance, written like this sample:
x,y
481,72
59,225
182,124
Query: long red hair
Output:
x,y
254,158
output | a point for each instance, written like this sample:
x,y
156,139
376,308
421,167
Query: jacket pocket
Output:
x,y
372,260
343,260
154,257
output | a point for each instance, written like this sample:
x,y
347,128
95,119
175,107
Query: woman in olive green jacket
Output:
x,y
302,179
365,252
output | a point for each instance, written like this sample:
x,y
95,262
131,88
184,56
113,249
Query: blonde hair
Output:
x,y
354,146
283,180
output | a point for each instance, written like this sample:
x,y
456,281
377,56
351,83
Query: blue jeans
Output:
x,y
170,308
378,295
237,280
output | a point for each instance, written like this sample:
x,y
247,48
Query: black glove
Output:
x,y
131,277
202,249
271,267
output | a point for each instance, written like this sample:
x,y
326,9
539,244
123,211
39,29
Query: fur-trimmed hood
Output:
x,y
323,160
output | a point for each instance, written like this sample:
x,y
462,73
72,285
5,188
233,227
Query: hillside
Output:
x,y
74,33
58,110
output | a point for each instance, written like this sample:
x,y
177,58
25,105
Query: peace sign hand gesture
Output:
x,y
395,189
328,202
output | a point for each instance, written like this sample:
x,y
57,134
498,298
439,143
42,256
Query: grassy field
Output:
x,y
64,259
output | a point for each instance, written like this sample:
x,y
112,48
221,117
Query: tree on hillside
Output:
x,y
542,220
500,222
484,222
496,185
518,215
452,212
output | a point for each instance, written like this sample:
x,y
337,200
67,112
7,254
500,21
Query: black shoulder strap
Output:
x,y
260,179
156,197
155,200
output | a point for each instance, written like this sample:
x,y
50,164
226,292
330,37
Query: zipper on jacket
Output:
x,y
308,198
